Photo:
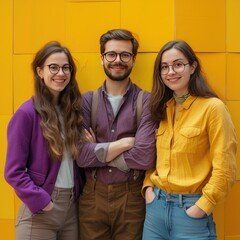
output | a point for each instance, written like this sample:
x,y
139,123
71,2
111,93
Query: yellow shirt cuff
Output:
x,y
205,205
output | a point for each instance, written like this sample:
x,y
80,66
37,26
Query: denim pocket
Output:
x,y
155,196
187,206
149,203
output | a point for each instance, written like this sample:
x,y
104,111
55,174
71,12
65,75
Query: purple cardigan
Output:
x,y
29,169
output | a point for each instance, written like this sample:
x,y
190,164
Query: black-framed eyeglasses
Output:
x,y
112,56
177,67
54,68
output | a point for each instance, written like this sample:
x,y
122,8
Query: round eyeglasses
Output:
x,y
177,67
112,56
54,68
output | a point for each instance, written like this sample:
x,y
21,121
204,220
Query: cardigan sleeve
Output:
x,y
25,181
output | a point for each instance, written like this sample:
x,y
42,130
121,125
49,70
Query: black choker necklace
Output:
x,y
181,99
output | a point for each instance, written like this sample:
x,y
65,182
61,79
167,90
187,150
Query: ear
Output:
x,y
101,59
134,59
39,72
193,67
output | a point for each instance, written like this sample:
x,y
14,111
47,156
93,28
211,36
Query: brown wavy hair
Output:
x,y
118,34
69,104
160,93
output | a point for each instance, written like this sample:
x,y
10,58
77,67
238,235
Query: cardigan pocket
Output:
x,y
38,178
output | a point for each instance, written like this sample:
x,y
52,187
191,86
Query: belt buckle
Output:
x,y
168,197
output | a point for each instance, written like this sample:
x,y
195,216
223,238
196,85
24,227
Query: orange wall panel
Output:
x,y
142,73
87,21
7,229
7,203
234,107
214,68
219,218
232,25
6,96
233,77
23,79
90,74
3,140
210,27
202,24
37,22
152,22
232,213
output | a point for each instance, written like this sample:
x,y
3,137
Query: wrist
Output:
x,y
48,207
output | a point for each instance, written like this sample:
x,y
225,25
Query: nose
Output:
x,y
170,69
118,59
60,72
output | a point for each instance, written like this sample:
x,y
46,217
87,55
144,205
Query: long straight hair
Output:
x,y
160,93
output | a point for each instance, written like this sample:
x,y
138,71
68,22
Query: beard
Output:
x,y
120,77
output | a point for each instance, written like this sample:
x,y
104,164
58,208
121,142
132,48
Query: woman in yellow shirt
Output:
x,y
196,149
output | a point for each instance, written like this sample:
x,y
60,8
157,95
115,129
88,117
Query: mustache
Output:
x,y
118,64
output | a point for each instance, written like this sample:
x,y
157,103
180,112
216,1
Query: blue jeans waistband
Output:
x,y
173,197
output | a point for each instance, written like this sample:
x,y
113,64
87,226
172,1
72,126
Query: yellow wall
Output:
x,y
211,28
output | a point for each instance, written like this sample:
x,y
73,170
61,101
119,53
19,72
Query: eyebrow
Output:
x,y
179,59
58,64
118,52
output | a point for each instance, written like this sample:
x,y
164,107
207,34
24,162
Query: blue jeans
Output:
x,y
166,218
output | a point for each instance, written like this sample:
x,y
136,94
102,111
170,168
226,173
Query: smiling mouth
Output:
x,y
59,82
173,79
117,68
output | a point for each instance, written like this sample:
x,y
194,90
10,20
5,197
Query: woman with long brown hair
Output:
x,y
196,149
43,141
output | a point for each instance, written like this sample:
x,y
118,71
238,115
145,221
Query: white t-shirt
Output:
x,y
65,174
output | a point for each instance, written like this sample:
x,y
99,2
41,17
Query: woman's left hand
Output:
x,y
195,212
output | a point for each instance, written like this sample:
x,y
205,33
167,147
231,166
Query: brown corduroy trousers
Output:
x,y
111,212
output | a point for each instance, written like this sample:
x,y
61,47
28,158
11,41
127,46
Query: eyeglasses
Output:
x,y
177,67
54,68
112,56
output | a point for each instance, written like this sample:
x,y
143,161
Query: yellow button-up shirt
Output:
x,y
197,152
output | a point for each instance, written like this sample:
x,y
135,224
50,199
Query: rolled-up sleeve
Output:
x,y
101,151
143,155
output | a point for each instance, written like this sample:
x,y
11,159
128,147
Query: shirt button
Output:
x,y
110,170
113,130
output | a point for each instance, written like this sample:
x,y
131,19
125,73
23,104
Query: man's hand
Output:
x,y
90,135
118,147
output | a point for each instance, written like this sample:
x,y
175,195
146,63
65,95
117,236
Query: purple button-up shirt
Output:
x,y
109,128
